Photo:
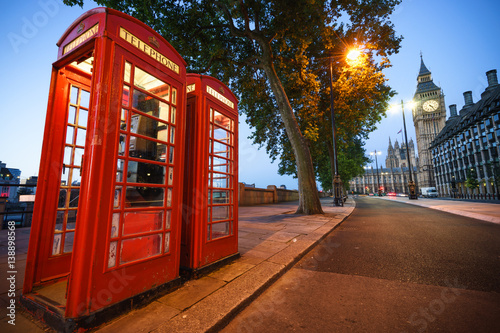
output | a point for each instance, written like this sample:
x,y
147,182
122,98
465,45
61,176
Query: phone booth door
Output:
x,y
68,191
210,224
62,167
148,169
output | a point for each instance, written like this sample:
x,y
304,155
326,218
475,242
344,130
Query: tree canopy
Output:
x,y
360,100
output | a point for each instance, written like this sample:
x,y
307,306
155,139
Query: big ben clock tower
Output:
x,y
429,117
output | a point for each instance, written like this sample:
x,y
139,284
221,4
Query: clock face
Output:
x,y
430,105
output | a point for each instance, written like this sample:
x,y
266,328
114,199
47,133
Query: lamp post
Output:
x,y
384,180
337,182
412,193
370,179
376,165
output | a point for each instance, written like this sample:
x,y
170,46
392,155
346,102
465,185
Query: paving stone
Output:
x,y
302,229
250,260
232,271
257,254
142,320
191,292
270,246
291,252
23,324
282,236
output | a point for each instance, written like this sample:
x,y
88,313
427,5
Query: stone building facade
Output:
x,y
469,145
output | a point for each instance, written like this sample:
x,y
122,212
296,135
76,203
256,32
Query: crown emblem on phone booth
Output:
x,y
221,90
81,27
154,41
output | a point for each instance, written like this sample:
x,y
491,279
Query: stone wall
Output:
x,y
250,196
287,195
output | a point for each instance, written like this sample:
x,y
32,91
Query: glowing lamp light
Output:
x,y
353,54
411,104
353,57
394,108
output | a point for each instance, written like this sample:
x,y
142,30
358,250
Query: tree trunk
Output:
x,y
308,192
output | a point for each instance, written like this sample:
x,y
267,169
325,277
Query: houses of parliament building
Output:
x,y
453,153
392,178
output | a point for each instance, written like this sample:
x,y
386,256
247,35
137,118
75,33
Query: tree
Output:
x,y
471,180
259,49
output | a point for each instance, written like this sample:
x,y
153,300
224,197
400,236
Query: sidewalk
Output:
x,y
478,210
271,240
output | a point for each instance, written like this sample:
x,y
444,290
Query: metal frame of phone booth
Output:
x,y
107,216
210,214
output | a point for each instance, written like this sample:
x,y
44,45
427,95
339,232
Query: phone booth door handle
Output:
x,y
81,164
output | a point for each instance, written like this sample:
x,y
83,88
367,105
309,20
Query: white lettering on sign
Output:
x,y
190,88
81,39
220,97
138,43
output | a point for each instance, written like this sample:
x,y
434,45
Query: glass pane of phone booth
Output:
x,y
220,176
143,192
69,191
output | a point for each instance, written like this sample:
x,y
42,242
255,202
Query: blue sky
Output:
x,y
459,40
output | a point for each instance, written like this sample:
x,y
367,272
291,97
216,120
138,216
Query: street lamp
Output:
x,y
376,165
337,183
352,57
370,178
412,193
384,180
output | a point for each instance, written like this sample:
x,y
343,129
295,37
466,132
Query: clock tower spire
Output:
x,y
429,117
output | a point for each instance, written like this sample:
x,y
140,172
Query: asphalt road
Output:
x,y
390,267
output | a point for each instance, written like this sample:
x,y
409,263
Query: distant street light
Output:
x,y
376,165
352,59
366,175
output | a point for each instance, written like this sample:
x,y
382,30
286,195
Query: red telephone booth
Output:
x,y
107,217
210,222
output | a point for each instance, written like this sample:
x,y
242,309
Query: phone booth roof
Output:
x,y
124,30
213,89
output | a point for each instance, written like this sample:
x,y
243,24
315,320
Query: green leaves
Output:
x,y
472,182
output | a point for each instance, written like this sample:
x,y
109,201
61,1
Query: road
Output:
x,y
390,267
